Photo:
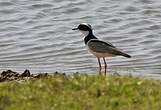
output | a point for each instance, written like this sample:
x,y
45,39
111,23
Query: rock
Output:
x,y
26,73
40,75
63,74
9,73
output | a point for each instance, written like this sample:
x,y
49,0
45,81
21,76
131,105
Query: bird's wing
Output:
x,y
108,43
101,46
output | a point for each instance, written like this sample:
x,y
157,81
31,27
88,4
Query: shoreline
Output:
x,y
9,75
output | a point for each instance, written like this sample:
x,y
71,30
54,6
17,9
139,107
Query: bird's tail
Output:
x,y
125,55
116,51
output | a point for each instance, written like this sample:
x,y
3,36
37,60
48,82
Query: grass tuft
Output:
x,y
81,92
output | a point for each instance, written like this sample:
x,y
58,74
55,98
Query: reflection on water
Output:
x,y
37,35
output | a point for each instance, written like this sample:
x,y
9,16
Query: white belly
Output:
x,y
97,54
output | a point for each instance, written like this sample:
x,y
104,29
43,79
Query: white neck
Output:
x,y
85,33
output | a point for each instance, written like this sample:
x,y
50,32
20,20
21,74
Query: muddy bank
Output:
x,y
10,75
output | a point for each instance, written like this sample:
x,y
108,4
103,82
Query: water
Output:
x,y
37,35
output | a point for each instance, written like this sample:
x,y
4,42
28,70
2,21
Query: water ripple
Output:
x,y
37,35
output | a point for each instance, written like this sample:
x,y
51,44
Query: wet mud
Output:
x,y
9,75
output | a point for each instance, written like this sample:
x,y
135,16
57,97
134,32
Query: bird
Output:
x,y
99,47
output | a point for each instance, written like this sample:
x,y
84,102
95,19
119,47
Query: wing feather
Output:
x,y
101,46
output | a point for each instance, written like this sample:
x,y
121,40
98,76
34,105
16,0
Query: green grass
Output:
x,y
82,92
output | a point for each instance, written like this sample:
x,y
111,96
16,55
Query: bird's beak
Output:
x,y
75,29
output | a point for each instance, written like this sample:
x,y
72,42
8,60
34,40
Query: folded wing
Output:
x,y
105,47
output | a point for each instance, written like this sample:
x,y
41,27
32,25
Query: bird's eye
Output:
x,y
83,27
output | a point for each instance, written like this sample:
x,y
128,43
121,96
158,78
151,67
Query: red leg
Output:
x,y
105,66
99,65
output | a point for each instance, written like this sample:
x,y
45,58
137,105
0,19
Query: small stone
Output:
x,y
56,73
40,75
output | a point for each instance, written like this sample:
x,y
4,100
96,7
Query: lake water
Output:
x,y
37,35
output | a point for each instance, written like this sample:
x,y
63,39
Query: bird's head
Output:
x,y
84,28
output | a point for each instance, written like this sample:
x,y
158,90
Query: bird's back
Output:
x,y
104,48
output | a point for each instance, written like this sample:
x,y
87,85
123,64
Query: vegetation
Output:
x,y
81,92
